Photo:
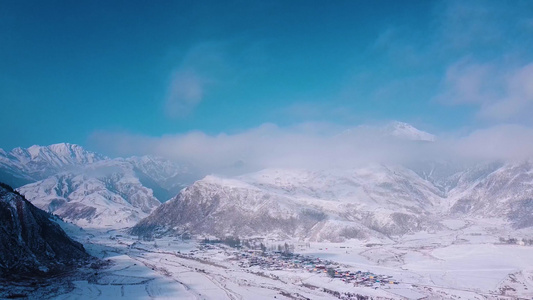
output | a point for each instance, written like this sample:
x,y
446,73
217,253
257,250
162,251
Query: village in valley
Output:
x,y
284,259
274,261
199,267
404,269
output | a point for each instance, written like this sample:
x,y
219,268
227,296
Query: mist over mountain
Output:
x,y
365,190
164,177
270,149
320,146
380,198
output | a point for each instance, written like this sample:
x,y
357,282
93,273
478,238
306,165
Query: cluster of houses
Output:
x,y
360,278
277,260
516,241
274,260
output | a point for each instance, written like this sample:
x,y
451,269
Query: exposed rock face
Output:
x,y
215,209
30,243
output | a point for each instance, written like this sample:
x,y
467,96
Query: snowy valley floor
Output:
x,y
465,261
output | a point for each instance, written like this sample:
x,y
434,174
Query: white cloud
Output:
x,y
200,69
303,146
466,83
501,93
503,142
517,100
210,67
495,77
313,146
186,90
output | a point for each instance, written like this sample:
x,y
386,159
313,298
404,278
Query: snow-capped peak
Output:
x,y
407,131
38,162
59,154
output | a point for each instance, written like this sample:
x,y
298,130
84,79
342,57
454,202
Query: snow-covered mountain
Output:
x,y
30,243
91,189
320,205
392,131
497,190
373,200
408,132
376,200
103,194
21,166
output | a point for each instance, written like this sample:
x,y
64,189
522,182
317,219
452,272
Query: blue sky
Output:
x,y
94,72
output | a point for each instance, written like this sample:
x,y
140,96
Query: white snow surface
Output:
x,y
465,262
105,194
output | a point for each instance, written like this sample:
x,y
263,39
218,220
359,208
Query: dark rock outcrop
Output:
x,y
30,243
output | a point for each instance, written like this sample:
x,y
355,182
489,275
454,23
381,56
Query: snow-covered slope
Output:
x,y
390,132
320,205
30,243
377,200
496,190
103,194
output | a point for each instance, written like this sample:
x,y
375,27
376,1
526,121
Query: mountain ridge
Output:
x,y
376,200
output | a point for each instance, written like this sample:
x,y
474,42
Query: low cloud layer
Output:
x,y
321,146
470,68
502,142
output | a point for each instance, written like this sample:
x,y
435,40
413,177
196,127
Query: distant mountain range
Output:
x,y
90,189
21,166
371,201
